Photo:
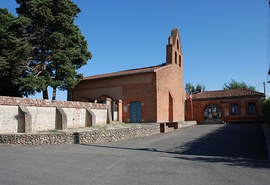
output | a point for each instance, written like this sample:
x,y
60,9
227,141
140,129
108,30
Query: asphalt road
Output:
x,y
202,154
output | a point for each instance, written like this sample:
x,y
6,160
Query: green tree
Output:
x,y
233,84
58,48
12,52
191,89
266,110
200,88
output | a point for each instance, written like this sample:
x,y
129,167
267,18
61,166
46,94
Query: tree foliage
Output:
x,y
13,51
54,48
266,110
191,89
233,84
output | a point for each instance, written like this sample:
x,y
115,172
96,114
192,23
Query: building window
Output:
x,y
180,60
234,108
175,57
252,108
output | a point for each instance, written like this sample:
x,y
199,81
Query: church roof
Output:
x,y
128,72
229,93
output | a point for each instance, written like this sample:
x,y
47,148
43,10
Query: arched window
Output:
x,y
170,108
175,57
177,44
180,61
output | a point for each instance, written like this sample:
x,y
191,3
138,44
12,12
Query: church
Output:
x,y
142,95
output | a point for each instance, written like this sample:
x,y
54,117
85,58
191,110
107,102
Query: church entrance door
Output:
x,y
136,112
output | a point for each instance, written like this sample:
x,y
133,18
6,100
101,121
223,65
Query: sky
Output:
x,y
221,39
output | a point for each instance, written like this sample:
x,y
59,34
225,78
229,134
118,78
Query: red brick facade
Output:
x,y
235,105
158,89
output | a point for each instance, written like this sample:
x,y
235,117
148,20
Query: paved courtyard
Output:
x,y
202,154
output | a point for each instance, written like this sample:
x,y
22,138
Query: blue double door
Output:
x,y
136,112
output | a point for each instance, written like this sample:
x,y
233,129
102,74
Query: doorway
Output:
x,y
136,112
212,112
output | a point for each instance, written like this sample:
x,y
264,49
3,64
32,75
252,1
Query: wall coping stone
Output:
x,y
16,101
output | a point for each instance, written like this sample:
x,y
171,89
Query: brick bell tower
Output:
x,y
174,59
174,53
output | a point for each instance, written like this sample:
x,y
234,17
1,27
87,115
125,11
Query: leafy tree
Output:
x,y
191,89
233,84
266,110
200,88
11,54
58,48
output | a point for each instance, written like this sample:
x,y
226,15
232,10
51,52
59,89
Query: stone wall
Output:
x,y
25,115
8,119
183,124
81,137
118,134
15,101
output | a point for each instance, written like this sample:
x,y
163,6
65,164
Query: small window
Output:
x,y
251,108
234,108
180,61
177,44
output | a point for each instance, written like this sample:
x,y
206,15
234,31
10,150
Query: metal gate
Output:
x,y
136,112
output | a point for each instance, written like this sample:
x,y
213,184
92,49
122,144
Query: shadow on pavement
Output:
x,y
233,145
251,163
233,141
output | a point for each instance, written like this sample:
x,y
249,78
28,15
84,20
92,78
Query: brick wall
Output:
x,y
225,107
169,83
137,87
141,92
151,89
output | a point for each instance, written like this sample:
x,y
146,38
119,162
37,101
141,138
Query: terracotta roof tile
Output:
x,y
226,93
127,72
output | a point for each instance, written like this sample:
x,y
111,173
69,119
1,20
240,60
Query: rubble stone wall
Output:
x,y
184,124
86,137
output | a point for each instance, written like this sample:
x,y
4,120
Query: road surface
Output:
x,y
201,154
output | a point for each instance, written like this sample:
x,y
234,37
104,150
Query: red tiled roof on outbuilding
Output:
x,y
228,93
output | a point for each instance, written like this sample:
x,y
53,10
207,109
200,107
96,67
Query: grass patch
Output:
x,y
51,131
100,127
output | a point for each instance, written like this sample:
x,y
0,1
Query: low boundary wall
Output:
x,y
81,137
25,115
183,124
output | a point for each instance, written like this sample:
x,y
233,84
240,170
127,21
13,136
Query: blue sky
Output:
x,y
221,39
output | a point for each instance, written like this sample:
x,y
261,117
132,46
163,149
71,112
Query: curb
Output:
x,y
266,132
